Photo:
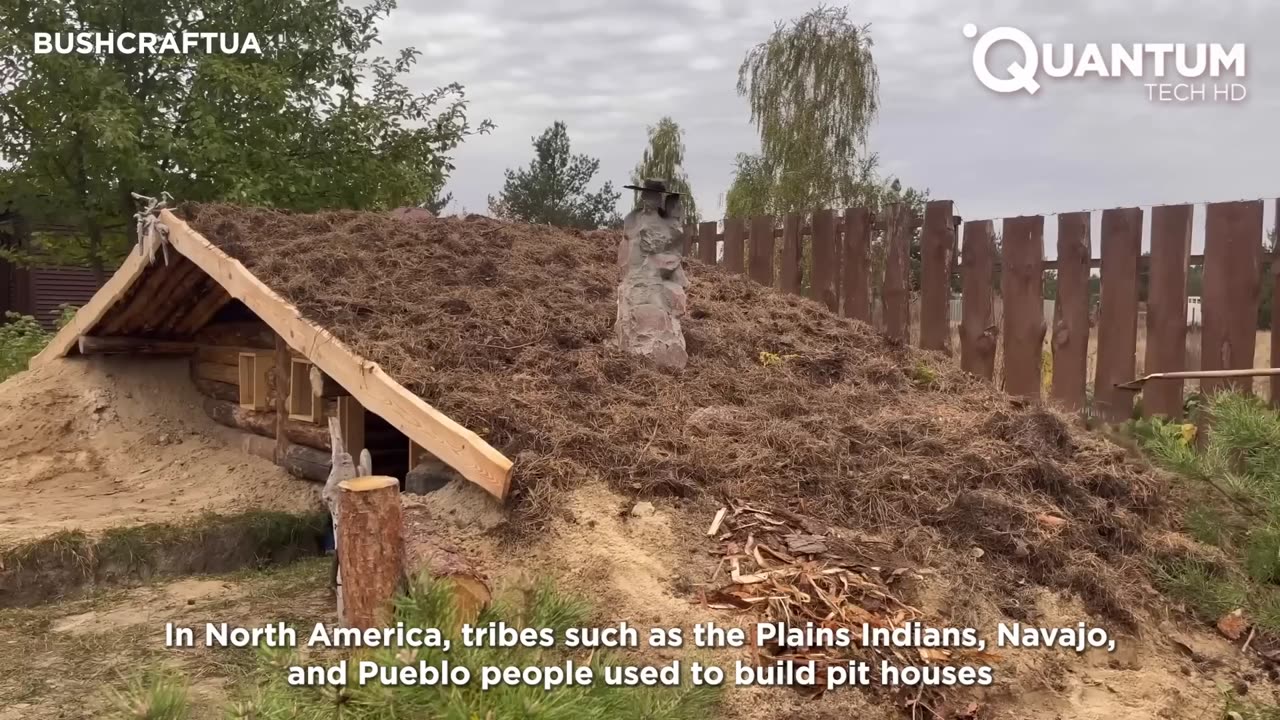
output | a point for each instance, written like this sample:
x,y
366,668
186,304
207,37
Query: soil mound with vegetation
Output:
x,y
507,328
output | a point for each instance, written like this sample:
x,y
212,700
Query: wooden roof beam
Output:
x,y
367,382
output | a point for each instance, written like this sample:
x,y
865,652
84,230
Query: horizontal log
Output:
x,y
222,354
256,335
225,375
1096,263
218,390
229,374
300,462
90,345
263,422
228,354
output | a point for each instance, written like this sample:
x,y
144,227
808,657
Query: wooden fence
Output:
x,y
829,259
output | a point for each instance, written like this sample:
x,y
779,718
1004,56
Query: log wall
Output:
x,y
215,374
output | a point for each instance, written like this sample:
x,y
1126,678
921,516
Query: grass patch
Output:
x,y
1238,709
113,664
430,603
1235,475
154,698
66,563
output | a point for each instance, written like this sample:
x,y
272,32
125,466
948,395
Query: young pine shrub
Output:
x,y
430,604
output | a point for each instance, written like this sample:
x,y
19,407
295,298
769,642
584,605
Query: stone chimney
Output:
x,y
651,295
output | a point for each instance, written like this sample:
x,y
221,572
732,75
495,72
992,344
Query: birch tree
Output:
x,y
813,90
664,159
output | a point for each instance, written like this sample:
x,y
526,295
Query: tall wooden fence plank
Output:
x,y
789,277
735,244
1275,310
1167,309
1118,313
935,276
707,233
761,249
823,284
1232,270
1071,311
837,261
897,275
1022,292
857,264
978,331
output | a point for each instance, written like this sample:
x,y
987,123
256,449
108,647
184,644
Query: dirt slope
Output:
x,y
97,443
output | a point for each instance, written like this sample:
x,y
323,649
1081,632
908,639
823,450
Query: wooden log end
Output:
x,y
368,484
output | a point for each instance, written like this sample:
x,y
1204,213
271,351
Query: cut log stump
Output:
x,y
371,553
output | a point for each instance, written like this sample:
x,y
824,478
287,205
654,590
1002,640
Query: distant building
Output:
x,y
1193,310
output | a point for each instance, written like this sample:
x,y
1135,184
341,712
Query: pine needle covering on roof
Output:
x,y
507,328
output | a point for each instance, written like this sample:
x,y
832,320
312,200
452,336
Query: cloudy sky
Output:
x,y
610,68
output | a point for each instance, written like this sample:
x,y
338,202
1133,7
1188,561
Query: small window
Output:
x,y
303,404
254,370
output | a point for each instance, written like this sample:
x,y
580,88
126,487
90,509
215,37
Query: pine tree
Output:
x,y
553,188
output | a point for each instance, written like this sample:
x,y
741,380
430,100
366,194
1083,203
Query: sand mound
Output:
x,y
96,443
507,328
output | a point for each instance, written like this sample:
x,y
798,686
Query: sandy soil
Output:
x,y
641,569
95,443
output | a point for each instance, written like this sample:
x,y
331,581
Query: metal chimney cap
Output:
x,y
653,185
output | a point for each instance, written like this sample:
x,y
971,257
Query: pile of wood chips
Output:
x,y
784,567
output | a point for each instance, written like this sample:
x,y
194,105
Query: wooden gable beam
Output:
x,y
87,317
367,382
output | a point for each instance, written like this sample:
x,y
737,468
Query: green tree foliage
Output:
x,y
813,90
664,159
553,189
437,203
21,337
314,121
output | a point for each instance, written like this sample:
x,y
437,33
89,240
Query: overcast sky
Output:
x,y
610,68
